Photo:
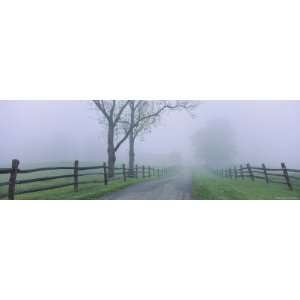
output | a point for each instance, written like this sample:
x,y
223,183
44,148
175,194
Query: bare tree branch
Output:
x,y
101,107
120,112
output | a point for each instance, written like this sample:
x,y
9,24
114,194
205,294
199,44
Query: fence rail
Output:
x,y
289,176
120,173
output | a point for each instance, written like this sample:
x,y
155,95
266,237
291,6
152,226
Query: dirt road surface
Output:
x,y
176,187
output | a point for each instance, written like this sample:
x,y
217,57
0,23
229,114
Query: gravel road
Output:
x,y
176,187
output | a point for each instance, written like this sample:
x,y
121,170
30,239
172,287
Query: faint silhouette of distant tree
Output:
x,y
215,144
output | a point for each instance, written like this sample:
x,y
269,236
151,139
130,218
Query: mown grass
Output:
x,y
209,187
86,191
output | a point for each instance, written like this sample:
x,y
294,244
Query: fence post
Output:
x,y
124,172
242,172
149,172
76,164
265,172
105,173
158,172
250,171
230,173
136,171
235,173
12,179
286,175
143,171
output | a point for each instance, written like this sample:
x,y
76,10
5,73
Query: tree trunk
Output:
x,y
111,150
131,154
131,142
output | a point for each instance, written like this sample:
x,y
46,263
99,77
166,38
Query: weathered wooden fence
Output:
x,y
283,175
121,173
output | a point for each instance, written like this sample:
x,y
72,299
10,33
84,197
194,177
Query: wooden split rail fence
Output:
x,y
283,175
121,173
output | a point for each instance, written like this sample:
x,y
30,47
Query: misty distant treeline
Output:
x,y
215,144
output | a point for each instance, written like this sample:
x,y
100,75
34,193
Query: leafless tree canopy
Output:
x,y
131,118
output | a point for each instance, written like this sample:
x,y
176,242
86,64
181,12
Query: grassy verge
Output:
x,y
206,186
87,192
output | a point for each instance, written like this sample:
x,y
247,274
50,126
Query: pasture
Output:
x,y
207,186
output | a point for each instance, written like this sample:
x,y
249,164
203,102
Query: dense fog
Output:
x,y
50,131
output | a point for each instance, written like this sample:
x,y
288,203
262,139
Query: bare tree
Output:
x,y
112,112
134,124
132,118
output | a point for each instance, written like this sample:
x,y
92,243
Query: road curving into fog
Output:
x,y
176,187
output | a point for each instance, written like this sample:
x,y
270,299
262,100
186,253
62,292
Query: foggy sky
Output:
x,y
43,131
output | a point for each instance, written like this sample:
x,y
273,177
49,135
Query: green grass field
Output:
x,y
210,187
86,190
